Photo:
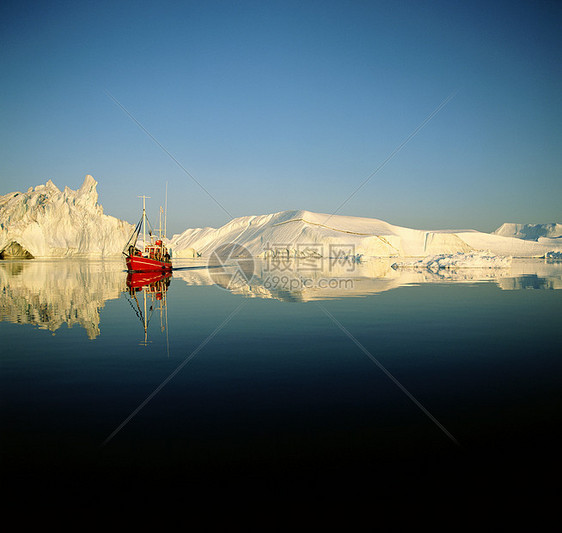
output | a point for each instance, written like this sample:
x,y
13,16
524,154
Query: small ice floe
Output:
x,y
458,260
553,256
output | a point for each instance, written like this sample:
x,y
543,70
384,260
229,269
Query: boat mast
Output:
x,y
144,219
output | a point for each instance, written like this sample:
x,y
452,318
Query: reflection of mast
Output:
x,y
154,286
145,324
163,308
167,340
143,315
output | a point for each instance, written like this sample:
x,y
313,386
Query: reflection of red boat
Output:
x,y
137,280
154,256
153,286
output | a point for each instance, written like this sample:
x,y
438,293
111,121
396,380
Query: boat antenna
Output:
x,y
166,210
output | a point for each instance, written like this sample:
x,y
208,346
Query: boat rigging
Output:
x,y
153,255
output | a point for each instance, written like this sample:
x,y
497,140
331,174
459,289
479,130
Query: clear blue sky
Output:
x,y
289,105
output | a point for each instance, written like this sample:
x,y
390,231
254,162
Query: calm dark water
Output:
x,y
400,375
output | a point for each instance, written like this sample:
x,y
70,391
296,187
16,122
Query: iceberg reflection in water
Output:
x,y
299,282
50,293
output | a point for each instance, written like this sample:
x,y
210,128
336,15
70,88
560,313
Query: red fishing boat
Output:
x,y
151,255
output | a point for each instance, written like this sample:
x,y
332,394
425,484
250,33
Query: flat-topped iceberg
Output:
x,y
301,233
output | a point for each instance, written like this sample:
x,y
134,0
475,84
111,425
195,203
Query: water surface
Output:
x,y
379,373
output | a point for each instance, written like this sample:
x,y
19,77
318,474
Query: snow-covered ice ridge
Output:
x,y
47,222
294,233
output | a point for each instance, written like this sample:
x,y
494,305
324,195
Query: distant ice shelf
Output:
x,y
530,232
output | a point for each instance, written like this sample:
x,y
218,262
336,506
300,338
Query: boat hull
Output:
x,y
145,264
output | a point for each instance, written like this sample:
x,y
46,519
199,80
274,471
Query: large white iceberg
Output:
x,y
297,233
47,222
